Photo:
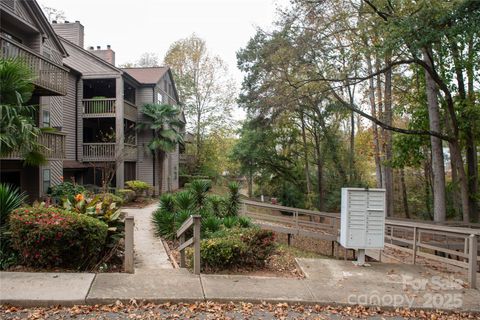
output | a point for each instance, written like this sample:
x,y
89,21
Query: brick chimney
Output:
x,y
106,54
72,31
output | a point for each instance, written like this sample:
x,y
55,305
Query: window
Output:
x,y
46,119
175,173
46,180
159,97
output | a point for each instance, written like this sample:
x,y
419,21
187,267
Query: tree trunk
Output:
x,y
438,167
318,156
404,193
250,183
376,144
388,117
472,160
471,154
428,187
380,116
305,151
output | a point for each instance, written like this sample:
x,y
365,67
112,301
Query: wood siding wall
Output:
x,y
69,117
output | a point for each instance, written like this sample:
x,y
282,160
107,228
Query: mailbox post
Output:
x,y
362,220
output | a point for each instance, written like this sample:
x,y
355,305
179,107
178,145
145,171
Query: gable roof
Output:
x,y
47,29
86,62
149,75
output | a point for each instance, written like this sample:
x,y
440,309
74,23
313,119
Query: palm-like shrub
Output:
x,y
184,201
18,130
10,199
167,202
211,224
244,222
230,222
233,201
181,217
217,204
164,222
199,189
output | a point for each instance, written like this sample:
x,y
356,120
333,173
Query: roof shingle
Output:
x,y
150,75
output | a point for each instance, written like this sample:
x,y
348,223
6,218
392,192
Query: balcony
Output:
x,y
99,108
93,152
49,77
105,108
54,143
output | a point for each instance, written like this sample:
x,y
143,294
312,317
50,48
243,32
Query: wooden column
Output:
x,y
414,260
119,133
196,243
129,252
472,260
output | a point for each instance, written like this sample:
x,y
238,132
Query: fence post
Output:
x,y
196,244
472,261
182,252
414,248
128,263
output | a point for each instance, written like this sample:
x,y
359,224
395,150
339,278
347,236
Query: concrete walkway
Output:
x,y
150,254
327,282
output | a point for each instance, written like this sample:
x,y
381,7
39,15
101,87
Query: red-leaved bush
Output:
x,y
48,237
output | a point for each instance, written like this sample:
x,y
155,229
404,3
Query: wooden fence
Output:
x,y
194,221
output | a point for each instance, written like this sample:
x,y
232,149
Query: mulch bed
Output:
x,y
280,264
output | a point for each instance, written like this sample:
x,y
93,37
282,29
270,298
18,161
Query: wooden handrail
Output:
x,y
194,221
399,233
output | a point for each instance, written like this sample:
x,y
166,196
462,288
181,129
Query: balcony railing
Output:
x,y
99,107
99,151
49,76
106,152
130,111
54,147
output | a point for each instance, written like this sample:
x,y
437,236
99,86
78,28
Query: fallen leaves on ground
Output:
x,y
213,310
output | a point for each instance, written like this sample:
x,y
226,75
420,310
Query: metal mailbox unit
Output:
x,y
362,220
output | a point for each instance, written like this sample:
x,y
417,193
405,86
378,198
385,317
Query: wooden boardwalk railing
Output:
x,y
457,246
196,222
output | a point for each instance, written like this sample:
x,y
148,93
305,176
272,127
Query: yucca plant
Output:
x,y
199,189
230,222
217,204
167,202
11,198
233,201
182,216
184,201
211,224
164,223
244,222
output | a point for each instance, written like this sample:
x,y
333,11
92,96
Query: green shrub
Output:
x,y
10,199
237,248
48,237
126,195
184,179
230,222
164,222
244,222
233,201
167,202
210,225
199,189
140,187
66,190
184,201
217,204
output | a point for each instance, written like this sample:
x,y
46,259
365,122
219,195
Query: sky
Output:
x,y
226,25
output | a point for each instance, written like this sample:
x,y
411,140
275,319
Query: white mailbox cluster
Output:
x,y
362,218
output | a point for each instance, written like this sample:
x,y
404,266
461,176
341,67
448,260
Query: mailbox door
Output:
x,y
357,205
